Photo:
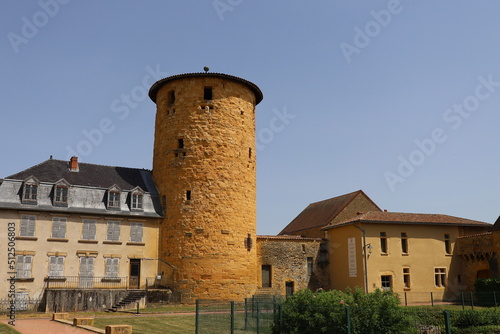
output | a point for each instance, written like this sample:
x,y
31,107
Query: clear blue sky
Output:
x,y
398,98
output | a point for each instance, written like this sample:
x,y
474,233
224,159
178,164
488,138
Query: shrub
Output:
x,y
325,312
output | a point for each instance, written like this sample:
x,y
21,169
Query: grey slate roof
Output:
x,y
88,189
91,175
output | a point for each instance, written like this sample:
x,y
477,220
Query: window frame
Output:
x,y
90,223
111,269
30,226
136,229
59,227
447,244
30,191
384,243
404,243
23,268
406,278
113,230
58,271
440,277
137,201
384,281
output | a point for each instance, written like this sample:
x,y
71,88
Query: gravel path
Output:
x,y
45,326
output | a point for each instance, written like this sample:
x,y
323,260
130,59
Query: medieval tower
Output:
x,y
205,169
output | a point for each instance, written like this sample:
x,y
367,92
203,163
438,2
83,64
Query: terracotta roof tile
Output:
x,y
407,218
321,213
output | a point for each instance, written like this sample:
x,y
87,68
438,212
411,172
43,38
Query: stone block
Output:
x,y
83,322
118,329
60,316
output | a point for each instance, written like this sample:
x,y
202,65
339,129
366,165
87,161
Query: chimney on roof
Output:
x,y
73,164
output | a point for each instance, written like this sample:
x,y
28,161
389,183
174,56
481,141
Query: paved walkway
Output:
x,y
44,326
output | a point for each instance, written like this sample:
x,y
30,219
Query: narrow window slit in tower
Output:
x,y
207,93
171,97
180,143
250,153
188,195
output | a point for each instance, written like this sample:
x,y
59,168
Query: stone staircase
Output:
x,y
131,297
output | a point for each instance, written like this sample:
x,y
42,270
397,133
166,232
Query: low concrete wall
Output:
x,y
81,300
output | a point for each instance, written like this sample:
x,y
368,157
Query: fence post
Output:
x,y
447,322
258,318
432,300
463,301
348,319
232,317
472,300
246,313
197,316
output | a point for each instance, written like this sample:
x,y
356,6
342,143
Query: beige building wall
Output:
x,y
72,247
426,258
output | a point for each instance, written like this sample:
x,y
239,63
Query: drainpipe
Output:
x,y
365,260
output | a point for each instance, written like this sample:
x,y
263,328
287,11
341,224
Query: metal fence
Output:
x,y
248,316
19,304
86,282
260,315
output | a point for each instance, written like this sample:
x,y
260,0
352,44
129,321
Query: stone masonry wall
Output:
x,y
204,167
288,261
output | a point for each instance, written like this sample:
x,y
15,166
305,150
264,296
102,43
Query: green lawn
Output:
x,y
6,329
142,324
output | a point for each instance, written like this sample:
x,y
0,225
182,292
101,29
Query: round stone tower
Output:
x,y
205,170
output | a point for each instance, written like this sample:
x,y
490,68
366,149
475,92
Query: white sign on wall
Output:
x,y
351,254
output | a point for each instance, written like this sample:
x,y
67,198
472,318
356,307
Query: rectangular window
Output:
x,y
136,232
111,269
86,279
61,195
56,266
88,229
383,242
137,201
180,143
440,277
404,243
24,264
188,195
58,227
386,282
113,233
30,191
447,244
171,97
406,278
266,276
114,199
27,228
207,93
310,266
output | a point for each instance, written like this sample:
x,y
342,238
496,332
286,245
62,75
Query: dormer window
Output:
x,y
114,198
136,199
61,191
30,191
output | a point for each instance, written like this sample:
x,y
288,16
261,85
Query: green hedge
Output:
x,y
325,312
